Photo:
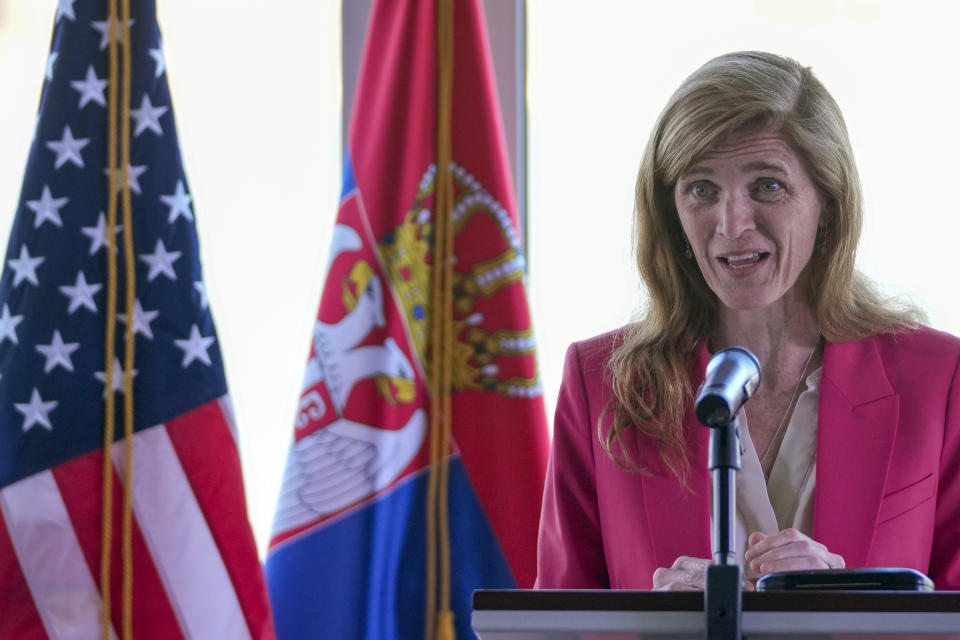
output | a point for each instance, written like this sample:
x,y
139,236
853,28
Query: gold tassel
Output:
x,y
445,629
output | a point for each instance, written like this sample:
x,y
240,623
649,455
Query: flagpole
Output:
x,y
126,531
106,525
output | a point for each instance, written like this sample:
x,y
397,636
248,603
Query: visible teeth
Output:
x,y
743,256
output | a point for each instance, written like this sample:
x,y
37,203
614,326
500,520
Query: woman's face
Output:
x,y
750,212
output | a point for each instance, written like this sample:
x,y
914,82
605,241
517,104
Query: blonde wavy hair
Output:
x,y
651,369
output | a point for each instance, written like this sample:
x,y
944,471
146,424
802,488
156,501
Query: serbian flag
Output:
x,y
351,551
192,558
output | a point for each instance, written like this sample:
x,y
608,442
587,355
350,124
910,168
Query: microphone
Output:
x,y
733,375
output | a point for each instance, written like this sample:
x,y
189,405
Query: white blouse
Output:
x,y
785,499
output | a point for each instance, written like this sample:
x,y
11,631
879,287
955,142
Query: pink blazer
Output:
x,y
888,470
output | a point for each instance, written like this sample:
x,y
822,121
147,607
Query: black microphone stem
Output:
x,y
722,597
723,462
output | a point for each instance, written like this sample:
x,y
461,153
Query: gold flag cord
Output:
x,y
118,24
445,630
439,619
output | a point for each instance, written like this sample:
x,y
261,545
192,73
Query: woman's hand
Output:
x,y
686,574
788,550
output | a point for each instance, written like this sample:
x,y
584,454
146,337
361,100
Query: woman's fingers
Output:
x,y
755,537
789,550
686,574
672,580
693,564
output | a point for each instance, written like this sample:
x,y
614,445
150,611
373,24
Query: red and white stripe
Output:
x,y
195,566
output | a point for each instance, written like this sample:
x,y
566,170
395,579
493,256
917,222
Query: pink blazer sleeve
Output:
x,y
945,554
570,550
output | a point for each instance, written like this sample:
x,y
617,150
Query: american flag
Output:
x,y
195,567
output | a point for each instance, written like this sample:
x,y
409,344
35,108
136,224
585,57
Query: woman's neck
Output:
x,y
780,335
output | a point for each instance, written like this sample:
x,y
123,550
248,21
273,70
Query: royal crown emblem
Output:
x,y
497,359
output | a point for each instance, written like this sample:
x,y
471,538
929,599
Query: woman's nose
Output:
x,y
736,215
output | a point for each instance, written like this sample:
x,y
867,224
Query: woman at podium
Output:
x,y
748,213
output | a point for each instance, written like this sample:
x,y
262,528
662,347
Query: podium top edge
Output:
x,y
616,600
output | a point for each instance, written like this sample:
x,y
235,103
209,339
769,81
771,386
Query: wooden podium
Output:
x,y
636,615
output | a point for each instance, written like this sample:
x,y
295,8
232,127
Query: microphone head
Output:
x,y
713,409
733,375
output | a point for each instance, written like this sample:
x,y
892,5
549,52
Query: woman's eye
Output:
x,y
770,186
700,190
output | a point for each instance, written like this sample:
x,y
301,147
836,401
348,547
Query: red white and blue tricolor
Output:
x,y
348,554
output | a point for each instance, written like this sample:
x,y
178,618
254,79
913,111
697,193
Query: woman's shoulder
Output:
x,y
921,341
596,350
905,352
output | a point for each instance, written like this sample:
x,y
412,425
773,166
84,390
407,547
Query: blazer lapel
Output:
x,y
857,424
678,518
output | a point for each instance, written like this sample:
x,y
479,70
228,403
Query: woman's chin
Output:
x,y
748,301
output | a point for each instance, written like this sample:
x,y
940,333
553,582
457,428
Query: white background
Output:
x,y
257,97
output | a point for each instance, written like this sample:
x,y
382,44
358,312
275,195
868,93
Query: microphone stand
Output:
x,y
723,595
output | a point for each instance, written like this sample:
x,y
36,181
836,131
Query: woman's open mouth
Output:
x,y
744,260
